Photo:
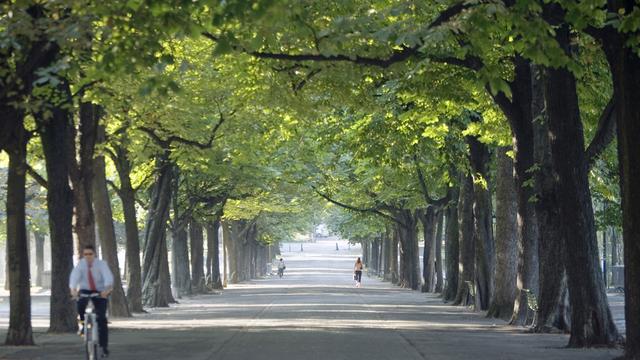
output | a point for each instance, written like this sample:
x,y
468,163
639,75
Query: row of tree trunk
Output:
x,y
495,273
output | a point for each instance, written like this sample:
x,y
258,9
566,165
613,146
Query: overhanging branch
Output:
x,y
400,55
354,208
37,177
605,133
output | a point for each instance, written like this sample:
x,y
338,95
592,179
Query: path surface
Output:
x,y
314,312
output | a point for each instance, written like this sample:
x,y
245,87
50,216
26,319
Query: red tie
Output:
x,y
92,284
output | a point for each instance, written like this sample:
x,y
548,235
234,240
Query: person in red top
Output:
x,y
93,276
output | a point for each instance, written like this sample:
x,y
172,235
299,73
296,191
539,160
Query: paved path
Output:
x,y
314,312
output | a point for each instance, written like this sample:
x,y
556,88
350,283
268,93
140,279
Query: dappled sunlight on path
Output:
x,y
314,312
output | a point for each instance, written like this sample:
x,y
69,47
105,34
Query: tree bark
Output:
x,y
452,246
614,248
54,136
197,257
591,320
180,261
213,253
482,222
428,218
20,331
410,265
386,254
466,272
156,291
506,237
39,239
127,196
373,267
6,268
230,232
395,241
82,176
226,233
625,69
438,253
118,306
551,243
519,115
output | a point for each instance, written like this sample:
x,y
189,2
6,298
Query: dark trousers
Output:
x,y
358,275
100,309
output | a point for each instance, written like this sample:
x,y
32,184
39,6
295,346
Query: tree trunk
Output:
x,y
522,129
180,262
156,291
118,306
591,320
6,267
438,252
395,242
39,237
54,136
20,331
410,259
550,241
381,250
226,234
127,196
82,176
365,252
197,257
483,225
373,266
614,248
625,68
506,237
466,274
252,241
230,232
452,247
386,254
213,253
519,115
428,218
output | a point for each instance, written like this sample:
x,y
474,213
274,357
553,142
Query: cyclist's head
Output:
x,y
89,252
280,259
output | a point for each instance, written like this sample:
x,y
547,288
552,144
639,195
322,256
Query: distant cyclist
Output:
x,y
281,267
93,276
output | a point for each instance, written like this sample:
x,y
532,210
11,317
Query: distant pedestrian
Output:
x,y
337,247
281,267
357,272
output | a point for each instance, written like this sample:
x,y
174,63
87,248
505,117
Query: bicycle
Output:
x,y
90,332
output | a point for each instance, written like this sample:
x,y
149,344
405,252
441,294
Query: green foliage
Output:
x,y
258,137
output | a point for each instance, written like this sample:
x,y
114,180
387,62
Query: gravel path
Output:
x,y
314,312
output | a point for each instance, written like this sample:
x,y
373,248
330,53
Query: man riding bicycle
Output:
x,y
92,276
281,267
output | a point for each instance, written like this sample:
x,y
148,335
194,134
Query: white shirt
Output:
x,y
102,276
281,265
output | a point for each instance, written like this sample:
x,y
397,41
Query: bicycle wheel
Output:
x,y
89,350
87,341
91,340
92,350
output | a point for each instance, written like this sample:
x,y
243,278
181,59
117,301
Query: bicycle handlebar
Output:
x,y
81,295
89,295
